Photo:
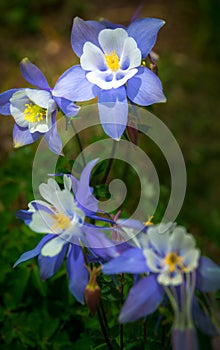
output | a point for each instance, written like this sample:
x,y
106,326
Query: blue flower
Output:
x,y
62,217
34,110
171,263
111,68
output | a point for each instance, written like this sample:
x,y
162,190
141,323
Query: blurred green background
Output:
x,y
32,313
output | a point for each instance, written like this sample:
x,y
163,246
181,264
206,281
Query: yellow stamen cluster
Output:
x,y
172,260
34,113
62,222
112,61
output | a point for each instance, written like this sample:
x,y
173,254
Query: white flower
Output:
x,y
114,62
59,216
171,253
33,109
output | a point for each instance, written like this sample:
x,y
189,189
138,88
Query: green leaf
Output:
x,y
102,191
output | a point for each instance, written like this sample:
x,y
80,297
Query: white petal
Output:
x,y
51,106
42,222
191,259
64,202
159,239
92,58
181,241
128,75
112,39
41,126
72,233
130,53
17,106
18,116
108,80
39,97
103,79
18,95
153,260
166,279
47,189
67,182
53,247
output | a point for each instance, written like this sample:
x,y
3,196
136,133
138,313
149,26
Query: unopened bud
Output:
x,y
92,291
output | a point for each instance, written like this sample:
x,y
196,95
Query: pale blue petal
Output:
x,y
68,108
74,86
97,25
33,75
53,139
99,244
144,31
143,299
202,320
50,265
113,111
22,136
24,215
77,273
131,261
84,194
34,252
4,101
83,31
111,25
145,88
207,275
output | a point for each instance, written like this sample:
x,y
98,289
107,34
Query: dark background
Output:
x,y
189,52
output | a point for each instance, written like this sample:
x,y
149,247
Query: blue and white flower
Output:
x,y
111,68
167,255
61,216
171,254
34,110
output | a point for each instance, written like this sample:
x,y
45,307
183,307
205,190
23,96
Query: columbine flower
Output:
x,y
34,110
62,217
171,254
110,68
167,254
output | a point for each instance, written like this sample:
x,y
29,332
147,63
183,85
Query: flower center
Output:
x,y
112,61
172,260
62,222
34,113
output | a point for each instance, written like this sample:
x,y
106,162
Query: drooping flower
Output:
x,y
61,216
168,257
111,68
34,110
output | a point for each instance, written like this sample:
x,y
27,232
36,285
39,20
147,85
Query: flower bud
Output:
x,y
92,291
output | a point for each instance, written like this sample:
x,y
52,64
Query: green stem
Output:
x,y
145,331
104,329
122,301
111,158
79,143
103,313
